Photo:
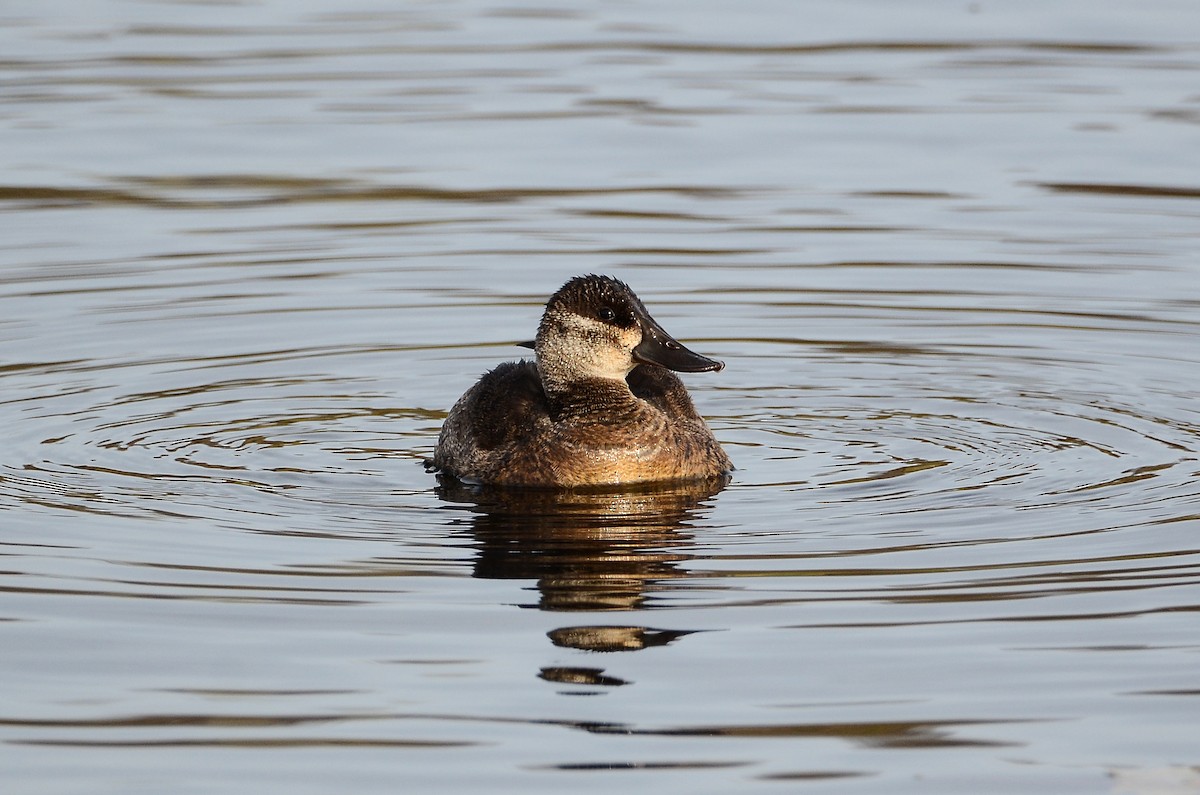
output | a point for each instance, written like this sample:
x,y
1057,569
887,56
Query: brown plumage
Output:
x,y
599,407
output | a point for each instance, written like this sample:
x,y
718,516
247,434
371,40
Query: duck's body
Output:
x,y
597,409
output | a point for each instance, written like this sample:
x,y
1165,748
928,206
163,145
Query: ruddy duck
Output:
x,y
599,408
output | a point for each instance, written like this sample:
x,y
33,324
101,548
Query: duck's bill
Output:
x,y
659,347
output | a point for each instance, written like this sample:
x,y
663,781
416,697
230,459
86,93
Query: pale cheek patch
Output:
x,y
590,348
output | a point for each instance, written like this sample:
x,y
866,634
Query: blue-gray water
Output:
x,y
252,252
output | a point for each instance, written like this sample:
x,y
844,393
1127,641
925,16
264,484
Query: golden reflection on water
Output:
x,y
586,550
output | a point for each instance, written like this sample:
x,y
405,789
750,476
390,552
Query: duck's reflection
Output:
x,y
587,550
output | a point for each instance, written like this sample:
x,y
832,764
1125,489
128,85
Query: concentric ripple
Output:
x,y
876,432
208,442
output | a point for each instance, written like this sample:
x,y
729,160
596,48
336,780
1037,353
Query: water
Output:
x,y
253,252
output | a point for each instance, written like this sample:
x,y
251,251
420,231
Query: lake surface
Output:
x,y
252,253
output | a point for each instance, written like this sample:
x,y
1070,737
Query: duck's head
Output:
x,y
596,327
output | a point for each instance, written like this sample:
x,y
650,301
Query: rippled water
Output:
x,y
253,252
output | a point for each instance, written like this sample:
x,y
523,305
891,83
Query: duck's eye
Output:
x,y
607,314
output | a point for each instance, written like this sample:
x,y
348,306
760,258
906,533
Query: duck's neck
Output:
x,y
603,397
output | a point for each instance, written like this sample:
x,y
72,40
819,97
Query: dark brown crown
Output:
x,y
596,297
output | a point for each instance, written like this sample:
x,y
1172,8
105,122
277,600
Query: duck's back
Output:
x,y
507,405
663,390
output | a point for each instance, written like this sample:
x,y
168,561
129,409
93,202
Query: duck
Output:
x,y
600,406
